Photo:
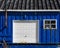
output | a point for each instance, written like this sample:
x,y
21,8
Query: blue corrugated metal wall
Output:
x,y
45,36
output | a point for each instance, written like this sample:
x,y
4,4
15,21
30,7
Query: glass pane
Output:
x,y
47,26
53,22
53,26
47,22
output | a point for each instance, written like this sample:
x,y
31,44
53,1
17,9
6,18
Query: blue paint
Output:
x,y
44,35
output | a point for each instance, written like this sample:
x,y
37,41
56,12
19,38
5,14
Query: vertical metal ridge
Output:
x,y
52,5
19,4
55,33
50,32
40,6
11,4
59,27
46,4
3,4
1,1
8,4
34,4
46,33
37,4
27,4
15,6
31,4
23,4
56,4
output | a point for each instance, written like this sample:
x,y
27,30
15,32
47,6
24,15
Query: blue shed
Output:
x,y
48,28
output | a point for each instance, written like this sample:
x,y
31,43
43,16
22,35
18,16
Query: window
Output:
x,y
50,24
25,31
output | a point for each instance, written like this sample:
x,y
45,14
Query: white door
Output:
x,y
25,31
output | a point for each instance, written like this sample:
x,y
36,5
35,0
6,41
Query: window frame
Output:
x,y
50,23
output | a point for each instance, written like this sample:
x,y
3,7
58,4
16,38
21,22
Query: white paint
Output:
x,y
17,10
24,32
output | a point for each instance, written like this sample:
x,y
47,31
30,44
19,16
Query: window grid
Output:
x,y
50,24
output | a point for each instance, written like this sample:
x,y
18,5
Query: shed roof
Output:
x,y
30,4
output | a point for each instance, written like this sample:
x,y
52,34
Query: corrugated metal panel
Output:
x,y
30,4
45,36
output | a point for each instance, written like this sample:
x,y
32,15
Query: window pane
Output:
x,y
53,22
47,22
47,26
53,26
